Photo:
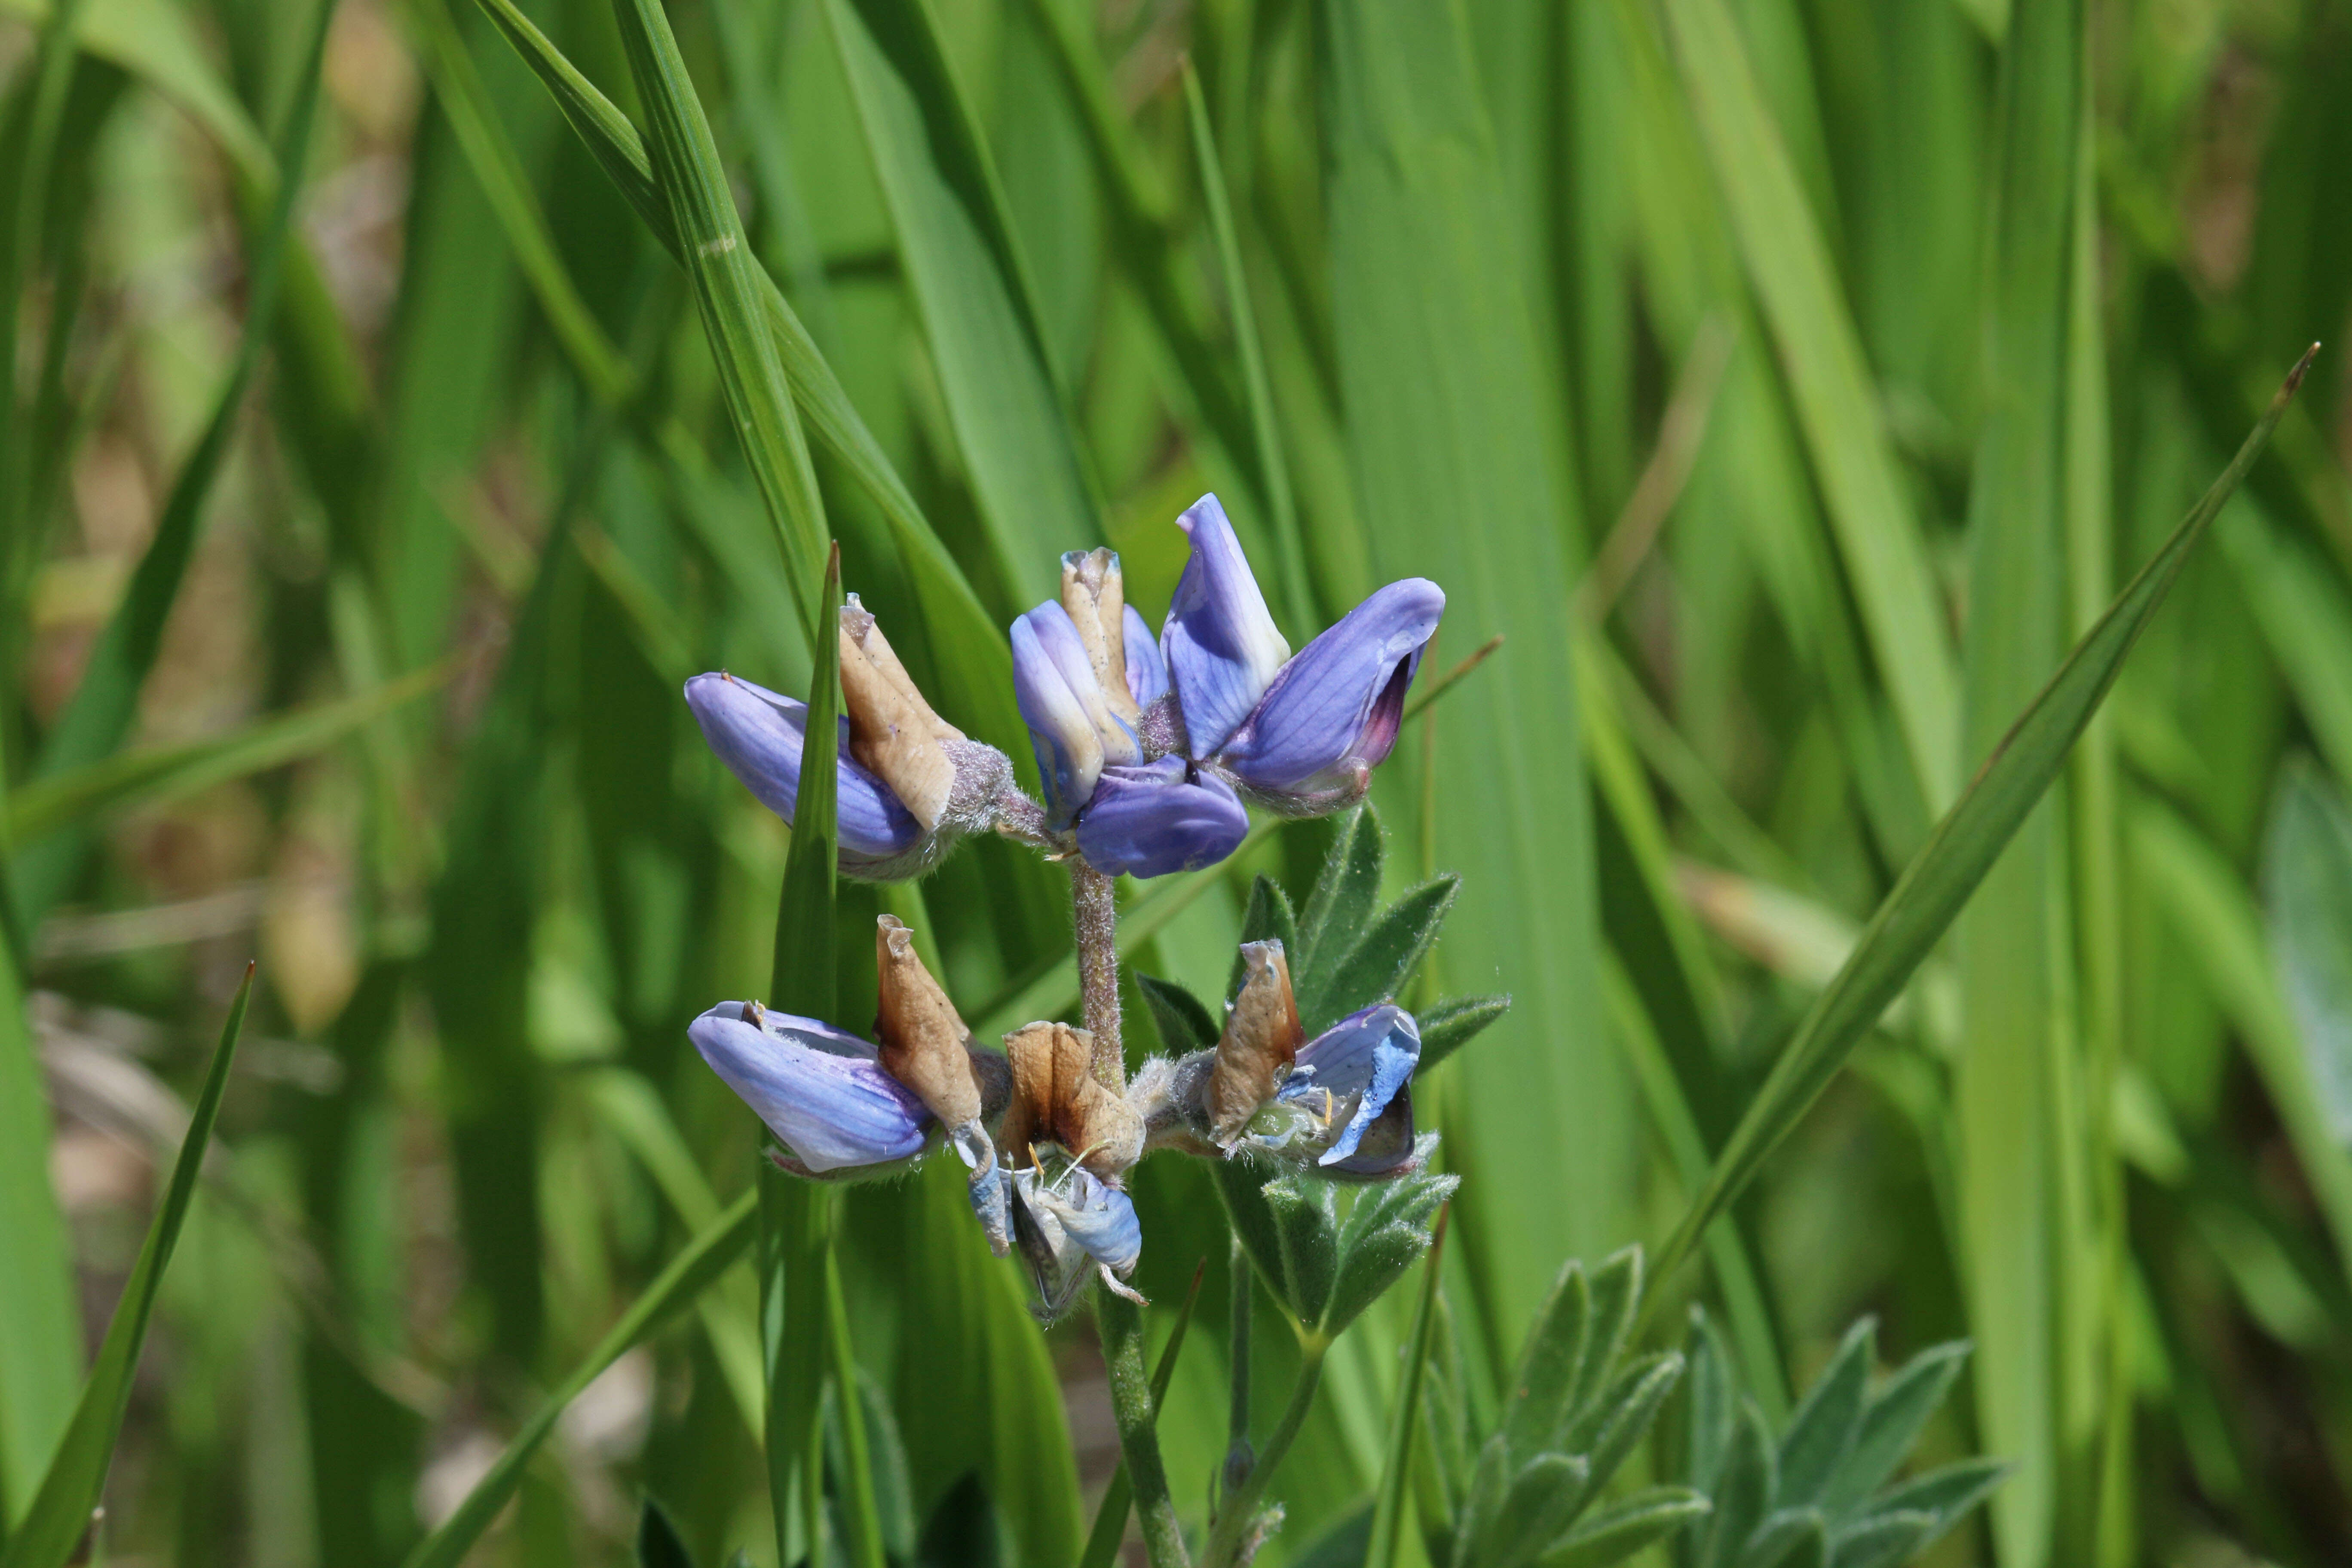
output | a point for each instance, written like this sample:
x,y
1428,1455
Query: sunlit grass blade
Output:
x,y
1455,471
1273,471
62,1512
99,714
795,1217
40,1321
457,88
2016,1085
728,294
699,1263
970,288
1921,907
1110,1514
159,775
975,666
1797,287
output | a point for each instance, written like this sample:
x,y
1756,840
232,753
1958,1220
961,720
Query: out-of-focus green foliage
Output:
x,y
1790,384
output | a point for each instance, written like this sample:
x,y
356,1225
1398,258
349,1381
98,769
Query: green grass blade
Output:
x,y
1110,1514
1924,902
2015,1088
1454,470
62,1510
1273,471
974,664
99,712
40,1321
728,294
88,795
1797,287
970,289
699,1263
459,87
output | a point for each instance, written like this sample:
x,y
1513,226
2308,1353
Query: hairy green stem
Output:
x,y
1238,1458
1094,917
1233,1527
1121,1323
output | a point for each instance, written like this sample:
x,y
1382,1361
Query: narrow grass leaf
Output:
x,y
1458,473
99,714
728,294
87,795
1915,914
62,1512
1803,303
41,1319
699,1263
970,288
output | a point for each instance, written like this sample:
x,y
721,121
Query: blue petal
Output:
x,y
757,734
1221,645
1334,710
1151,820
1101,1219
1147,675
816,1088
1370,1053
1069,746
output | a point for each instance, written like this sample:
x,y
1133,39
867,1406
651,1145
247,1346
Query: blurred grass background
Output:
x,y
1788,382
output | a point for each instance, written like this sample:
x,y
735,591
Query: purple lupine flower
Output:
x,y
1362,1067
1067,1227
818,1089
1084,669
759,734
907,785
1299,735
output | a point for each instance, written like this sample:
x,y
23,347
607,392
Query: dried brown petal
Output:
x,y
1056,1097
892,731
925,1045
1093,595
1261,1040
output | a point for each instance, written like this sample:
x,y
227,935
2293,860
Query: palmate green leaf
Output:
x,y
1346,896
1383,960
970,289
158,775
1453,1024
1742,1492
1618,1531
716,255
41,1319
1266,916
1915,916
1386,1232
99,714
1822,1431
697,1264
1890,1425
1451,451
61,1512
1788,1538
1797,288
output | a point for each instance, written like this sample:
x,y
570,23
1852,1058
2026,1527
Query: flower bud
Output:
x,y
1057,1099
1260,1042
925,1045
817,1087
